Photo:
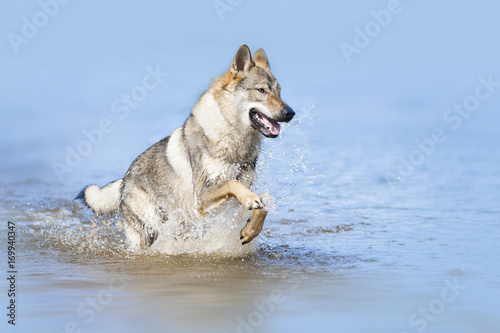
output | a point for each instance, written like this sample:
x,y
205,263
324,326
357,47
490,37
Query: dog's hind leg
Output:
x,y
138,232
254,226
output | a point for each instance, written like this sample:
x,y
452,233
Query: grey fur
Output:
x,y
208,159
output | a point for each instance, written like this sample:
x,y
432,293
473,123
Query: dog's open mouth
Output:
x,y
266,125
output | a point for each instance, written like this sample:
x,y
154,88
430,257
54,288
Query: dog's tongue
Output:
x,y
272,126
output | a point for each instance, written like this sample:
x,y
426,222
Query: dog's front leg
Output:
x,y
254,226
213,196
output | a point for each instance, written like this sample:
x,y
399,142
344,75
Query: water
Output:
x,y
373,227
343,247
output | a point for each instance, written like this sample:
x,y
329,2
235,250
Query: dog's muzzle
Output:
x,y
269,126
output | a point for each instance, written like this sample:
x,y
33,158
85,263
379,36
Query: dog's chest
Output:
x,y
219,170
231,158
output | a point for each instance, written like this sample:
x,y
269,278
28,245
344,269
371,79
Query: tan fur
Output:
x,y
260,59
217,195
208,160
254,226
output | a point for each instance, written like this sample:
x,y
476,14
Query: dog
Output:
x,y
206,161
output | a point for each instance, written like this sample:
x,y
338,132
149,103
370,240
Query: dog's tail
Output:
x,y
103,200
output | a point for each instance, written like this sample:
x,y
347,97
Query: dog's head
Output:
x,y
254,94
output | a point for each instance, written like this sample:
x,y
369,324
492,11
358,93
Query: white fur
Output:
x,y
133,237
104,200
178,157
208,114
218,170
143,203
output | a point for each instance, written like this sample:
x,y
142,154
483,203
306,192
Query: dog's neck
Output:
x,y
233,144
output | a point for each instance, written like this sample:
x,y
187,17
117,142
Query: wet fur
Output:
x,y
209,159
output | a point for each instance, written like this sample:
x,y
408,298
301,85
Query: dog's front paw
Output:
x,y
253,201
254,226
248,233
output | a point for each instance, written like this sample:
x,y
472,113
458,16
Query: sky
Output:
x,y
65,63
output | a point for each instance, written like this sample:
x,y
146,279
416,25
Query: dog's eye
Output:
x,y
261,90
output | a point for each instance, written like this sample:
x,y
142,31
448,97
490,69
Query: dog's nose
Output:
x,y
288,113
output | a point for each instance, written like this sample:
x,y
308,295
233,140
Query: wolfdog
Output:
x,y
208,160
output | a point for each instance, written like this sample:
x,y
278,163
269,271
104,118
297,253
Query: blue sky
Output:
x,y
66,76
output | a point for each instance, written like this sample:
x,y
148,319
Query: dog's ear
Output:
x,y
260,59
242,61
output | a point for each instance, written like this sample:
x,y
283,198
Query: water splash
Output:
x,y
217,234
65,225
